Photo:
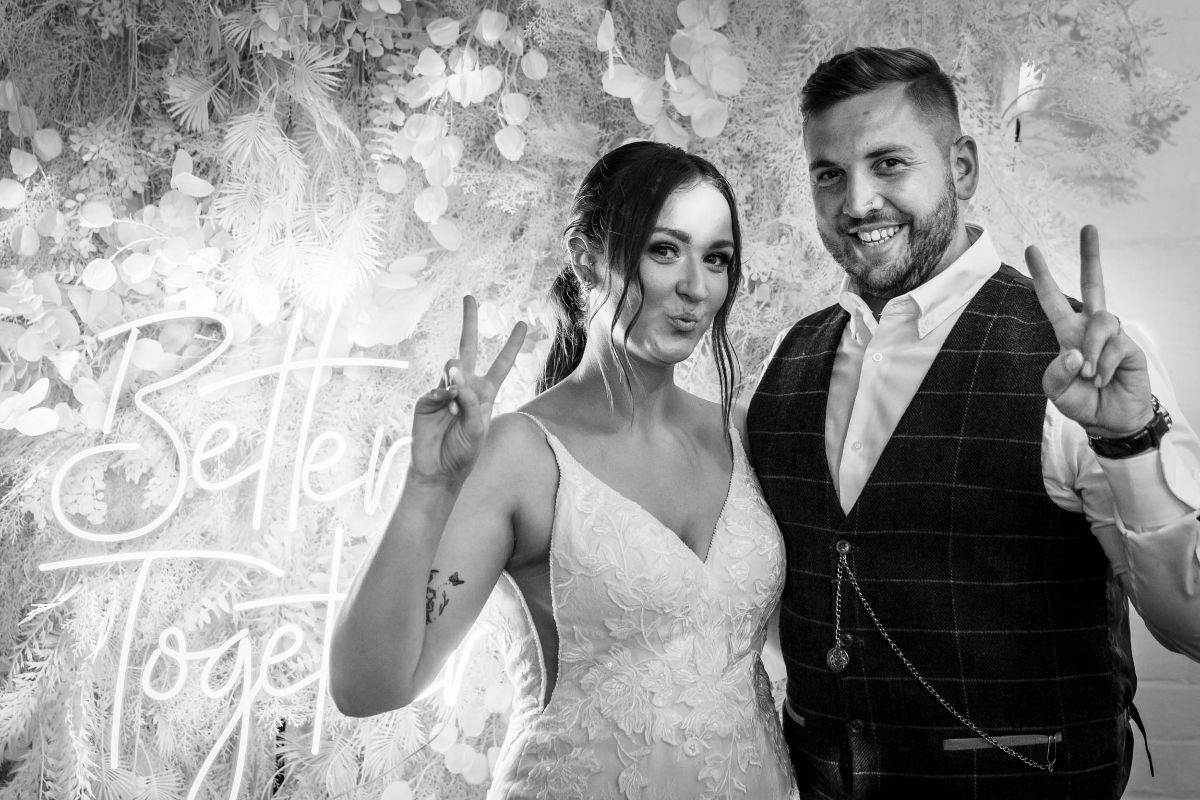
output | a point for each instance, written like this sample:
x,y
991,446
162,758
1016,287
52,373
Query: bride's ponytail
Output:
x,y
570,333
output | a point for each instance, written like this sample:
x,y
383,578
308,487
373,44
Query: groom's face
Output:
x,y
884,190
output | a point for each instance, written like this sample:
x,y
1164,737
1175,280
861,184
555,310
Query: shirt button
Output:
x,y
843,546
856,446
857,726
877,357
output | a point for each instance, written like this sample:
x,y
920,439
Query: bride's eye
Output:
x,y
664,251
720,259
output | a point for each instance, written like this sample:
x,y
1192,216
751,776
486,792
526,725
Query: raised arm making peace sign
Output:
x,y
1100,378
634,565
970,471
451,420
429,566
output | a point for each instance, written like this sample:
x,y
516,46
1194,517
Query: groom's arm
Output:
x,y
1143,511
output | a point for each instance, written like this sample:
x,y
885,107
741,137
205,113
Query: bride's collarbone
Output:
x,y
683,487
679,471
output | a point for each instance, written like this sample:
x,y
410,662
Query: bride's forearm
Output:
x,y
380,631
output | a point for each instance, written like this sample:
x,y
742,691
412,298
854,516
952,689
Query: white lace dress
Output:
x,y
660,690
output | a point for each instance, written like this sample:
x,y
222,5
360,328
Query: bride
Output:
x,y
617,510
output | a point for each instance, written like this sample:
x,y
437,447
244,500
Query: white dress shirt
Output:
x,y
1141,509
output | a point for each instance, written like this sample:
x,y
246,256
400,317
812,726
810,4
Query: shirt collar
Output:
x,y
938,298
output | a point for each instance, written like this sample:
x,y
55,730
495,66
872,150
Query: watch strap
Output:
x,y
1148,438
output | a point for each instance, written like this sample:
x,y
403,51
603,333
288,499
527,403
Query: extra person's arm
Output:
x,y
1143,510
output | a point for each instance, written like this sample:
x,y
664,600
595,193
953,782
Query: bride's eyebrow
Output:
x,y
682,236
686,237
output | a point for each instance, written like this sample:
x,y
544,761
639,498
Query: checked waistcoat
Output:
x,y
1004,602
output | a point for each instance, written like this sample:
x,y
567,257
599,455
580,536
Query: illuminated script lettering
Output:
x,y
245,665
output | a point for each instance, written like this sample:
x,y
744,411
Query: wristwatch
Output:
x,y
1145,439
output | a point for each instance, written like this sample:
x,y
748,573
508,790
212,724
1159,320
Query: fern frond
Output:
x,y
237,26
292,259
354,252
267,169
387,742
313,72
81,729
24,771
341,766
322,120
35,668
194,101
253,140
163,784
117,783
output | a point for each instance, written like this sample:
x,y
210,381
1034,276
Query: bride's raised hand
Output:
x,y
451,420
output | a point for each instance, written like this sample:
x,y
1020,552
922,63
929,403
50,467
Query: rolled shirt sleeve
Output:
x,y
1143,511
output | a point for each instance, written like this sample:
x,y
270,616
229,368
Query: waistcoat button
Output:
x,y
857,726
843,546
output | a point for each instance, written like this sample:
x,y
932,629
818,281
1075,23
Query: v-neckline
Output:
x,y
712,536
936,364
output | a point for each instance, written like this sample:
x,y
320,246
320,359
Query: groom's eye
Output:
x,y
827,177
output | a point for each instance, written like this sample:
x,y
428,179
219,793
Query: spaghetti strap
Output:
x,y
741,459
559,450
537,422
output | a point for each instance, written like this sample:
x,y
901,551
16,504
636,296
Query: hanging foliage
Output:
x,y
233,236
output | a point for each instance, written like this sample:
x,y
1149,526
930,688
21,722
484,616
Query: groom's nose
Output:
x,y
861,198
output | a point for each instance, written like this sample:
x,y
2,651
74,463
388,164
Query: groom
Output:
x,y
971,473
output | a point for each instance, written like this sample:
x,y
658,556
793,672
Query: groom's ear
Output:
x,y
583,262
964,166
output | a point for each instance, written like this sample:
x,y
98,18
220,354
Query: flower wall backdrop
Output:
x,y
233,236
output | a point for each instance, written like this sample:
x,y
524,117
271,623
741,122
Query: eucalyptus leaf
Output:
x,y
23,164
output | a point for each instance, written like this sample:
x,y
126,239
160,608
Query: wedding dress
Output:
x,y
660,691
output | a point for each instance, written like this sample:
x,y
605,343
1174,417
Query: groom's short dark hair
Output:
x,y
866,69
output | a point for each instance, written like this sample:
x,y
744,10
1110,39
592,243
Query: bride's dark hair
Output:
x,y
613,215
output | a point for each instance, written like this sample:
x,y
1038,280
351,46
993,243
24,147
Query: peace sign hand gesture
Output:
x,y
1100,378
451,420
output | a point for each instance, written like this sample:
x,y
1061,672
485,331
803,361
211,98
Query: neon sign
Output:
x,y
170,664
221,435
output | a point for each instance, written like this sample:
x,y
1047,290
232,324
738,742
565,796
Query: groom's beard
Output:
x,y
928,238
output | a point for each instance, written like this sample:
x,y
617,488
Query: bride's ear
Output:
x,y
583,262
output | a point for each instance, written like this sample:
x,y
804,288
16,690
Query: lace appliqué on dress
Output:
x,y
660,692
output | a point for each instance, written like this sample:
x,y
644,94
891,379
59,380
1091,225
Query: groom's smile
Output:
x,y
885,197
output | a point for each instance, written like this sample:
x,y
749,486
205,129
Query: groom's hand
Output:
x,y
1100,378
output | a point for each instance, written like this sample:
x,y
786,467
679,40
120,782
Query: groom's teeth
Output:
x,y
878,235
